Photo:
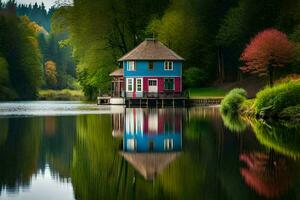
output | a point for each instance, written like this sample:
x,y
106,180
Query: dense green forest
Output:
x,y
82,42
209,34
31,55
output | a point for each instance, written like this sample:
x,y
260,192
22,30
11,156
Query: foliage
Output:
x,y
102,31
268,50
283,138
65,94
37,13
194,77
5,85
271,101
50,73
24,66
232,101
292,113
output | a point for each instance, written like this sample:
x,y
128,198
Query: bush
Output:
x,y
233,100
194,77
292,113
272,101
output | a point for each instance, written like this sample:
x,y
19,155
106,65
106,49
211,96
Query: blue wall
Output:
x,y
143,141
158,71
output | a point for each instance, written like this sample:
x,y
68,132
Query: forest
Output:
x,y
31,56
84,40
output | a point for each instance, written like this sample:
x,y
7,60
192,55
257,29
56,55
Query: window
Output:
x,y
129,83
168,144
139,85
131,66
152,82
151,65
131,145
168,65
169,84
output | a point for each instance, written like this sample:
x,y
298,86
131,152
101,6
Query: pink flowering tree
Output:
x,y
268,50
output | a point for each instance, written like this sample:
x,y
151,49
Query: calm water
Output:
x,y
69,150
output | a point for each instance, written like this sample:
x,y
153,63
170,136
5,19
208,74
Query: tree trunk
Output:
x,y
220,66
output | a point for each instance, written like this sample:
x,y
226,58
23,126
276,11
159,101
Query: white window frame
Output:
x,y
168,144
153,80
169,65
131,65
136,84
128,80
131,145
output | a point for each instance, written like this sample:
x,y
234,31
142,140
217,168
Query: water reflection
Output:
x,y
147,154
152,139
267,173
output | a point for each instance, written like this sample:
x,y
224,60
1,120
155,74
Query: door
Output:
x,y
153,86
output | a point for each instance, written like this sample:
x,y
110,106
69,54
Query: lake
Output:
x,y
72,150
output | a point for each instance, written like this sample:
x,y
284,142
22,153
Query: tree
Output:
x,y
50,73
269,50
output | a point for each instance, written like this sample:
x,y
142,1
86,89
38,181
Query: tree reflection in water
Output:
x,y
266,173
152,154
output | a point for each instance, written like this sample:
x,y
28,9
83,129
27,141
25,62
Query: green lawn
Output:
x,y
195,93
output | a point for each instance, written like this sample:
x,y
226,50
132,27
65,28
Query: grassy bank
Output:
x,y
282,101
61,95
197,93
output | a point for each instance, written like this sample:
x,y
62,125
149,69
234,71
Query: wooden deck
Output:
x,y
159,102
156,102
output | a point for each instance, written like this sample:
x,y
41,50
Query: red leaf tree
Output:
x,y
268,50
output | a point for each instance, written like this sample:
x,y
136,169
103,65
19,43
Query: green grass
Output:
x,y
211,92
61,95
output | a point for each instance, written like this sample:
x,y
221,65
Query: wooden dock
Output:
x,y
160,102
156,102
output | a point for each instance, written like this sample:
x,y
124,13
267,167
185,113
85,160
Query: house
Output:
x,y
151,70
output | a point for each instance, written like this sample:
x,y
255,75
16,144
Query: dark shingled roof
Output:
x,y
118,72
151,49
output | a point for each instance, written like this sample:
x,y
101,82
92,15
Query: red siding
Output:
x,y
161,84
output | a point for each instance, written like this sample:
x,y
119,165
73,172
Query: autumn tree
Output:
x,y
50,73
268,50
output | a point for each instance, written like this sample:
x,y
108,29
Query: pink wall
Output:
x,y
161,83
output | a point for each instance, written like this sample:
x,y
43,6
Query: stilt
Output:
x,y
184,103
162,103
173,103
140,103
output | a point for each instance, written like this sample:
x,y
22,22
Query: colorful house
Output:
x,y
152,70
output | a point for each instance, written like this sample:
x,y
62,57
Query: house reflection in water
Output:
x,y
152,139
118,125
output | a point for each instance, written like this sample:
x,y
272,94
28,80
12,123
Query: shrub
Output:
x,y
233,100
292,113
194,77
271,101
